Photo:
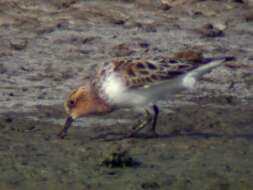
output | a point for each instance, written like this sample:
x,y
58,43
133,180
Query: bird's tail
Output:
x,y
190,78
168,88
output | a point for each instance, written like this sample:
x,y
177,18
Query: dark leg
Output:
x,y
141,124
146,121
156,113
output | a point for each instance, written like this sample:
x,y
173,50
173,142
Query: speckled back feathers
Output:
x,y
138,73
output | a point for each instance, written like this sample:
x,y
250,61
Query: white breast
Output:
x,y
113,87
117,92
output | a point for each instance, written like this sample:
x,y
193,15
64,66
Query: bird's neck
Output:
x,y
101,105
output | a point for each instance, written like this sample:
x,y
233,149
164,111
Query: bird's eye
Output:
x,y
71,103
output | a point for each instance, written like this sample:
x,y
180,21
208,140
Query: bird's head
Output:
x,y
78,102
83,101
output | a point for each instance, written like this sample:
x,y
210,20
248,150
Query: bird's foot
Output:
x,y
153,133
62,134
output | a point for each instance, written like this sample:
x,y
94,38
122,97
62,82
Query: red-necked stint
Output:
x,y
134,83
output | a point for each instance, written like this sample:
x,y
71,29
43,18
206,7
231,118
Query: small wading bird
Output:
x,y
134,83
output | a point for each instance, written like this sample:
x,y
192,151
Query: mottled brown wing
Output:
x,y
137,73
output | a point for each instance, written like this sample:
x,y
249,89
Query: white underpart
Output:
x,y
113,86
118,93
190,79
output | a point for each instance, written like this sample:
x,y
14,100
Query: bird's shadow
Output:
x,y
117,136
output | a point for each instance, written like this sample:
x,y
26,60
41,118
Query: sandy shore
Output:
x,y
49,47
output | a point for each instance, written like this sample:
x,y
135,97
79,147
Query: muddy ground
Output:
x,y
49,47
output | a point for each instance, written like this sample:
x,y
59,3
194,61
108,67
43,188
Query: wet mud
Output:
x,y
204,135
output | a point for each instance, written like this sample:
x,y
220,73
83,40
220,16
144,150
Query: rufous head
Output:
x,y
80,102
